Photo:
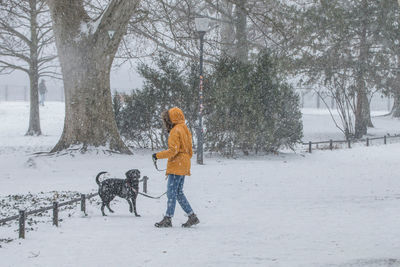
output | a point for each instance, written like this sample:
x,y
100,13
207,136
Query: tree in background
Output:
x,y
169,83
248,107
390,39
26,40
337,39
251,108
134,114
237,28
86,48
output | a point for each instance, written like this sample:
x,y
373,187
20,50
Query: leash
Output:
x,y
155,165
151,196
143,194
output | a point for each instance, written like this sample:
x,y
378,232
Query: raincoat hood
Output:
x,y
179,150
176,115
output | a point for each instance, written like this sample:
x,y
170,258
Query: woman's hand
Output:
x,y
154,156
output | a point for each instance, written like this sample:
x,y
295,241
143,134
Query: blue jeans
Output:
x,y
175,192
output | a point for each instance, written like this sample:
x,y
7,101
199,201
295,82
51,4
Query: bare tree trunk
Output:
x,y
242,47
362,115
367,111
25,35
89,116
234,30
361,122
396,93
396,104
86,52
227,29
34,118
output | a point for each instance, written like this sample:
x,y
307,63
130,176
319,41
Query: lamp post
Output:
x,y
201,28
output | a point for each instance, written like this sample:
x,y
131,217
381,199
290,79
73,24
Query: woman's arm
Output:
x,y
173,146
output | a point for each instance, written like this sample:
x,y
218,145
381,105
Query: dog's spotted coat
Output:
x,y
124,188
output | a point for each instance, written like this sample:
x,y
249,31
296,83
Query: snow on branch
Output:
x,y
115,17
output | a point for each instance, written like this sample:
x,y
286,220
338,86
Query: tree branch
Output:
x,y
115,17
7,65
14,32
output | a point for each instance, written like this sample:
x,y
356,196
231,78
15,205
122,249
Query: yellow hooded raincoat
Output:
x,y
179,150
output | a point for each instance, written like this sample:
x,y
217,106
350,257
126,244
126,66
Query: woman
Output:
x,y
179,153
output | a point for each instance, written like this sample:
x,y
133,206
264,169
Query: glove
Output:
x,y
154,156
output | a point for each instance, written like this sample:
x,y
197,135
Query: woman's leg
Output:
x,y
172,189
181,196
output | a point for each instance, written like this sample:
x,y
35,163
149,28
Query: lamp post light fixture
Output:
x,y
201,28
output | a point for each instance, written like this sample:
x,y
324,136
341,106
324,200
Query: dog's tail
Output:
x,y
98,176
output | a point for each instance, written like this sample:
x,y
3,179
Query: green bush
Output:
x,y
170,83
252,108
248,107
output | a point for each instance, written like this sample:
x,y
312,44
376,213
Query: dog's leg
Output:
x,y
130,205
134,207
102,209
108,206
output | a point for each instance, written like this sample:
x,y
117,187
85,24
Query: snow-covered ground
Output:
x,y
328,208
319,126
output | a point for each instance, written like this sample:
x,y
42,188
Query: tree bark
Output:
x,y
242,47
362,115
361,121
227,29
395,112
367,111
34,118
86,52
396,104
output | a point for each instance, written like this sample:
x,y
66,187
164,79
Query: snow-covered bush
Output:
x,y
167,84
252,109
247,106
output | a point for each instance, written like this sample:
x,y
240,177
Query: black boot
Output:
x,y
165,222
192,220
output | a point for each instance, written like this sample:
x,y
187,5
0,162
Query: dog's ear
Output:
x,y
134,173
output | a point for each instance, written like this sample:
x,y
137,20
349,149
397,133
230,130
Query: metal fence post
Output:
x,y
384,139
367,141
349,143
83,204
55,213
330,144
145,178
310,147
22,224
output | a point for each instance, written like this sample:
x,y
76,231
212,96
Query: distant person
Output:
x,y
42,92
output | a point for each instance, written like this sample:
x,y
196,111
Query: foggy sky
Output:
x,y
123,79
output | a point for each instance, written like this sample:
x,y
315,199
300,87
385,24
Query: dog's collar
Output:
x,y
131,187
